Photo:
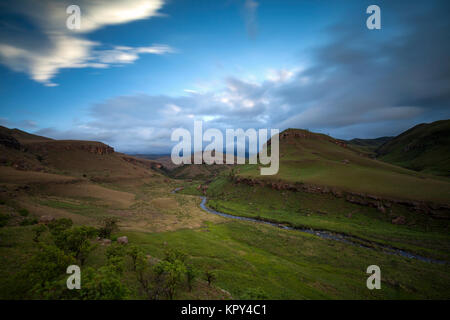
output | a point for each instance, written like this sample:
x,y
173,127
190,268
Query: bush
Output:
x,y
116,257
29,221
38,230
191,274
58,226
102,284
109,225
210,276
4,218
134,253
172,255
170,275
76,241
24,212
47,266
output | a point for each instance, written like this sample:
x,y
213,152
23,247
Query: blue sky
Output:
x,y
138,69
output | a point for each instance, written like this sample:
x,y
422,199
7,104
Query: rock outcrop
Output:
x,y
439,211
122,240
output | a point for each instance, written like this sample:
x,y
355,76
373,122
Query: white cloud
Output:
x,y
281,75
61,48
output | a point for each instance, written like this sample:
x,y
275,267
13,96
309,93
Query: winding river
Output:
x,y
325,235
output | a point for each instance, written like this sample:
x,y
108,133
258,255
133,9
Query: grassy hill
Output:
x,y
424,148
317,159
368,146
86,159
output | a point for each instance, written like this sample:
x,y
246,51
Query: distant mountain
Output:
x,y
368,146
424,148
369,142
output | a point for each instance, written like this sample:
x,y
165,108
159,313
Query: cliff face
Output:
x,y
436,210
9,141
85,146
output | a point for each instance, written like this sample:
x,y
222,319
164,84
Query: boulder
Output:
x,y
46,219
381,208
399,220
106,242
122,240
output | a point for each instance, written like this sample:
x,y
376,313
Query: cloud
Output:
x,y
250,11
394,75
359,83
41,44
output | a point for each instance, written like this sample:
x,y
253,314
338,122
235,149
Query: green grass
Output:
x,y
422,234
319,160
292,265
281,263
425,148
85,208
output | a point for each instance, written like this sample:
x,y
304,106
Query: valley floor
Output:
x,y
250,260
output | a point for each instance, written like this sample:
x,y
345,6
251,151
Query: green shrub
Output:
x,y
24,212
76,240
102,284
29,221
170,275
191,274
109,225
58,226
38,230
116,257
47,266
4,218
210,276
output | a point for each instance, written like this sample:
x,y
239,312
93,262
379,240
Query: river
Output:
x,y
325,235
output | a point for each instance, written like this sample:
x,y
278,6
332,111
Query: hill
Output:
x,y
328,165
424,148
368,146
87,159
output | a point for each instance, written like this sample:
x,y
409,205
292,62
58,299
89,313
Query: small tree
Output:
x,y
103,284
172,274
76,241
38,230
210,276
146,277
134,252
109,225
191,274
116,257
46,267
60,224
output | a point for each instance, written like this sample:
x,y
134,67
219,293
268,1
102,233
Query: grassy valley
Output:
x,y
323,184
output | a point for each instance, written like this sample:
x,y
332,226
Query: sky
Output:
x,y
138,69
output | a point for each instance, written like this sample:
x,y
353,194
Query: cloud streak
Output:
x,y
43,45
